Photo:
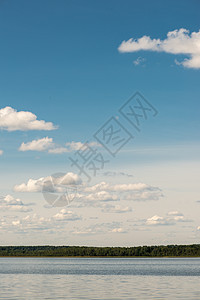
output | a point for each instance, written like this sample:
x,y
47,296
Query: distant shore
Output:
x,y
169,251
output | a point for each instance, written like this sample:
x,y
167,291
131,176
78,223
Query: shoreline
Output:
x,y
169,251
31,256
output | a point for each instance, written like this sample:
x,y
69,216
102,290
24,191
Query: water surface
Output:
x,y
99,278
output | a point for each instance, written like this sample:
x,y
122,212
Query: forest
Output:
x,y
83,251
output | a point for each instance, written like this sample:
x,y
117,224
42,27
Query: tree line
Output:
x,y
83,251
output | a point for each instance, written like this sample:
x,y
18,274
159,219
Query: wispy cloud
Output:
x,y
138,61
100,228
114,174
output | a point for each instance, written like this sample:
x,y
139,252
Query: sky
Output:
x,y
99,122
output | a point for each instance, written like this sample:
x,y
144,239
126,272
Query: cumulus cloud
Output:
x,y
101,196
172,218
103,186
156,220
98,191
1,152
47,144
13,120
37,145
71,187
98,194
56,183
31,223
178,41
66,215
37,223
10,203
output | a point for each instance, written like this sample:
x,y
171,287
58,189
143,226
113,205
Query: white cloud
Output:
x,y
10,200
138,61
171,219
49,183
116,209
131,191
97,195
103,192
114,174
58,150
118,230
37,145
177,42
16,223
177,216
47,144
10,203
33,222
1,152
66,215
155,220
100,228
74,146
103,186
37,223
144,195
84,231
18,208
101,196
174,213
99,191
31,186
12,120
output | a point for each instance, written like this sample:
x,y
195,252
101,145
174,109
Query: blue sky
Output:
x,y
60,60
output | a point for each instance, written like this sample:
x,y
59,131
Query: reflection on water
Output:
x,y
98,278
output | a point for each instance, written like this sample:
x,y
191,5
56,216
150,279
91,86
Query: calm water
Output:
x,y
99,278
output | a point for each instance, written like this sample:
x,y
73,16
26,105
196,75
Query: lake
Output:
x,y
100,278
